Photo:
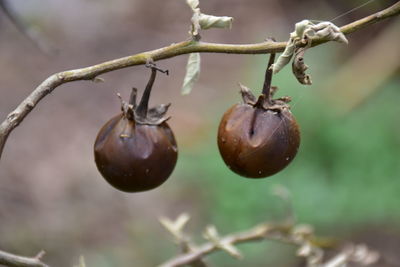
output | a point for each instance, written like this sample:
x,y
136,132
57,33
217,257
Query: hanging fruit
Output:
x,y
259,137
136,150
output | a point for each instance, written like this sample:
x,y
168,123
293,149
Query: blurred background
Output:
x,y
345,179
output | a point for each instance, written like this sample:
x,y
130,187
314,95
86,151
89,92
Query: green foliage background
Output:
x,y
346,173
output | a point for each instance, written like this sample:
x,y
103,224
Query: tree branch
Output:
x,y
310,247
258,233
11,260
185,47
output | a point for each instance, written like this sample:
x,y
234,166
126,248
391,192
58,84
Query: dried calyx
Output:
x,y
265,100
141,113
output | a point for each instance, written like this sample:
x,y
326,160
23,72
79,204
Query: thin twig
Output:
x,y
258,233
180,238
185,47
300,236
11,260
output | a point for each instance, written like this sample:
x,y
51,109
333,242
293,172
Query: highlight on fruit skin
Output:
x,y
136,150
259,137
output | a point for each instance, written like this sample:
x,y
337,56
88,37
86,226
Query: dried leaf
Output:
x,y
204,21
305,30
192,73
247,96
300,28
299,67
209,21
326,30
285,57
290,48
193,3
195,22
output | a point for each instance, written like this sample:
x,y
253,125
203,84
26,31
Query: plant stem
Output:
x,y
144,102
268,78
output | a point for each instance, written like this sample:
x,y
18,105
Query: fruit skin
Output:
x,y
135,157
257,142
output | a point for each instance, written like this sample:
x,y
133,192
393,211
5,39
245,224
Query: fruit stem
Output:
x,y
144,102
142,108
268,78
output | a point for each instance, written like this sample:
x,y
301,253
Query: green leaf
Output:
x,y
192,73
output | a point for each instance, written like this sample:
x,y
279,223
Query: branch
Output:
x,y
302,236
11,260
310,247
180,238
185,47
258,233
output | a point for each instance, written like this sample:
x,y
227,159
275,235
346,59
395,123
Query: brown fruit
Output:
x,y
260,137
136,150
257,143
